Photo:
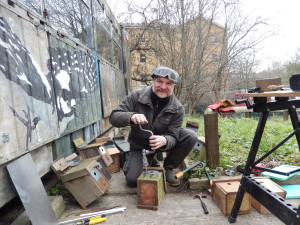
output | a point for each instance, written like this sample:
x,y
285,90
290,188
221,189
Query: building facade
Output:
x,y
196,49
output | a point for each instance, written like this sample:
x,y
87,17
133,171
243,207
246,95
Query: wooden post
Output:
x,y
211,139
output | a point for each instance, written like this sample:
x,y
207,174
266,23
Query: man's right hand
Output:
x,y
138,119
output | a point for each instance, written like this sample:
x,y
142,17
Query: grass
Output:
x,y
237,136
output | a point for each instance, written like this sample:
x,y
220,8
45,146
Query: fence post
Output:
x,y
211,138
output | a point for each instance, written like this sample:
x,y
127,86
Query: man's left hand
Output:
x,y
157,141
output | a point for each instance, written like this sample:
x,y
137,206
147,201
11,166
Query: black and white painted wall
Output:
x,y
53,89
61,101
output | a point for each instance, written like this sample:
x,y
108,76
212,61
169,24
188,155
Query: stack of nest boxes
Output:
x,y
87,174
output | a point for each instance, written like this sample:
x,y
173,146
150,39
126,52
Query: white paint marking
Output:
x,y
64,79
23,77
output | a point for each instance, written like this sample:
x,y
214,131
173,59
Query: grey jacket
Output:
x,y
167,123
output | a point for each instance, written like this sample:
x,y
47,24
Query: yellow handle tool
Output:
x,y
181,173
98,220
93,220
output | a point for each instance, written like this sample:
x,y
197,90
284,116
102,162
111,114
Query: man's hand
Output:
x,y
138,119
157,141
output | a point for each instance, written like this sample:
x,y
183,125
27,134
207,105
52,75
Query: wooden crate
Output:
x,y
115,155
86,189
85,180
151,189
93,150
270,185
224,195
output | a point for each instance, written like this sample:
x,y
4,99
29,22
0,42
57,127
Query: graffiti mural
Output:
x,y
74,79
55,78
69,89
18,66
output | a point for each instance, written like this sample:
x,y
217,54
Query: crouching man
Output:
x,y
154,108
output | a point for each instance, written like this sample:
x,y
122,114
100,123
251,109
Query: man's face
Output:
x,y
163,87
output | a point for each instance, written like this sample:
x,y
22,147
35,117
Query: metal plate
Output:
x,y
31,191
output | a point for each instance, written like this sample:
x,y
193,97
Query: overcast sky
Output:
x,y
284,19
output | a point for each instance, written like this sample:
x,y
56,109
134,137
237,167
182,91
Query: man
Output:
x,y
154,108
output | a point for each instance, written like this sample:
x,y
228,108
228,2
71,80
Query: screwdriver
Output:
x,y
93,220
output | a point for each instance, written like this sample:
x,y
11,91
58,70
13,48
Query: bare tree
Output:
x,y
186,35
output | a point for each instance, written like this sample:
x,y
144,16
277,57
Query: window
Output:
x,y
214,39
74,17
117,58
214,58
101,16
142,58
103,43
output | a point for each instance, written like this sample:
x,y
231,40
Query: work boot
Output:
x,y
171,178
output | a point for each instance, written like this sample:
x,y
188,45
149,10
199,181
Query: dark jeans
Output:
x,y
133,165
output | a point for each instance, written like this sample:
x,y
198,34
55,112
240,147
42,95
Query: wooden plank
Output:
x,y
71,157
264,84
274,94
80,170
212,139
79,142
92,145
103,140
59,166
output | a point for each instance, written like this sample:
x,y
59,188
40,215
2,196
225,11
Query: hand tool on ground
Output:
x,y
181,173
200,196
93,220
95,210
210,180
91,215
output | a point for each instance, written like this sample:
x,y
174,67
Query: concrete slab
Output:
x,y
177,207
